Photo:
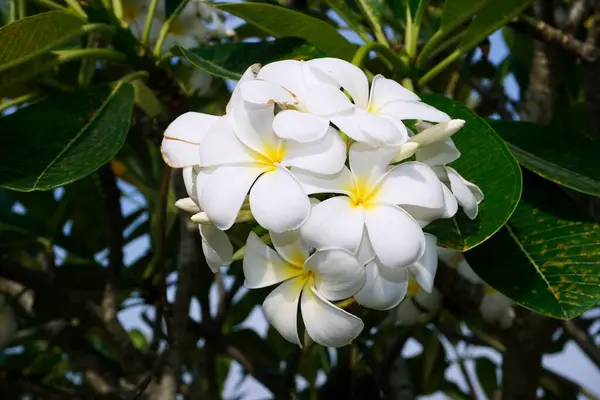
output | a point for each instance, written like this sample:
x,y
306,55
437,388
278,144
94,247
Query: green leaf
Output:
x,y
146,99
554,154
486,373
63,138
455,12
230,60
138,339
492,16
487,162
283,22
30,37
547,258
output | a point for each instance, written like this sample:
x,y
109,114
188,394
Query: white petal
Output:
x,y
368,164
325,323
414,110
325,99
263,92
278,202
450,203
188,205
407,313
290,247
438,153
382,128
385,91
337,273
380,293
347,75
497,308
464,195
324,156
396,237
281,308
190,177
365,253
348,124
253,126
299,126
438,133
287,73
412,183
334,222
312,183
221,146
236,96
190,127
425,268
216,246
224,190
263,266
178,154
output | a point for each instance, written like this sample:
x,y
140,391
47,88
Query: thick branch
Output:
x,y
583,340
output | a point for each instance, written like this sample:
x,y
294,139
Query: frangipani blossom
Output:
x,y
437,154
307,99
386,287
373,197
242,154
495,308
376,116
309,281
417,307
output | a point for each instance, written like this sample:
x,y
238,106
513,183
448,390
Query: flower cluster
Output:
x,y
344,188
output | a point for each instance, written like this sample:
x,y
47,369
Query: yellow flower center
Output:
x,y
489,290
177,28
413,287
271,155
362,194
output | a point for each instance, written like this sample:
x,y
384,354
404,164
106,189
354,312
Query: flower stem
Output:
x,y
384,51
165,28
373,21
117,6
21,9
429,48
149,20
432,73
77,8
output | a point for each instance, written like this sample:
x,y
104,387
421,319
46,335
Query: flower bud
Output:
x,y
438,132
188,205
405,151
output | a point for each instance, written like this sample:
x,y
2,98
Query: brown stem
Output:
x,y
583,340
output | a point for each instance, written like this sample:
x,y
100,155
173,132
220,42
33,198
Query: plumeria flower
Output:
x,y
377,115
307,99
417,307
8,322
437,150
312,281
242,154
495,308
386,287
216,245
373,197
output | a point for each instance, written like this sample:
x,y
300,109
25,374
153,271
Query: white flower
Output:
x,y
372,196
311,281
437,151
416,307
199,81
8,322
306,99
495,308
242,154
376,117
386,287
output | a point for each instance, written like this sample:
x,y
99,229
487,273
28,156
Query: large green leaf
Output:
x,y
63,138
283,22
554,154
547,258
230,60
486,161
455,12
29,37
492,16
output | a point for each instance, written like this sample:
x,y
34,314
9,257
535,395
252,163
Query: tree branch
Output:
x,y
583,340
17,383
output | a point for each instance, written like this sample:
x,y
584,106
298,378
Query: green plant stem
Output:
x,y
88,65
104,54
352,25
413,27
429,48
77,8
21,9
447,43
50,5
432,73
12,11
117,6
149,20
363,52
18,101
134,76
375,25
164,30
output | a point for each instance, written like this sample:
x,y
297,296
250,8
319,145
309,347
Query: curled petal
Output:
x,y
467,194
365,253
288,74
178,154
324,156
263,266
224,191
216,246
281,308
290,247
396,237
263,92
278,202
346,75
385,91
337,273
441,153
190,176
414,184
312,183
347,123
334,222
380,293
325,323
236,96
253,126
190,127
425,268
299,126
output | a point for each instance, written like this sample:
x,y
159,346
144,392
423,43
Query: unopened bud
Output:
x,y
405,151
438,133
202,218
187,204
